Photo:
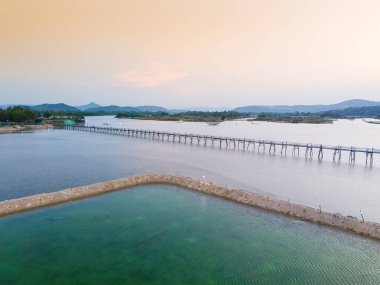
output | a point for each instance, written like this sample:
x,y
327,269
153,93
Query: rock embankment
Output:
x,y
352,224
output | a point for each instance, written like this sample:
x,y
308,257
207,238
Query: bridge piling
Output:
x,y
320,153
234,143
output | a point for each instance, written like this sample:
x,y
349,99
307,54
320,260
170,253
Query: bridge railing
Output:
x,y
309,147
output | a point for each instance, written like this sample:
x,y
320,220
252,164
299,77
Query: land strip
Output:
x,y
19,128
299,211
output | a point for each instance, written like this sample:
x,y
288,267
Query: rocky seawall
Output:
x,y
352,224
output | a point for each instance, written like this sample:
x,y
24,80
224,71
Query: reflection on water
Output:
x,y
165,235
44,162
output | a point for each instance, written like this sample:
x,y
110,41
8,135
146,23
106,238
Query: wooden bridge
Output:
x,y
237,143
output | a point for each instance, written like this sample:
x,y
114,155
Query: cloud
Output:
x,y
153,77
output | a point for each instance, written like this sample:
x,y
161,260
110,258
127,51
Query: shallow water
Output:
x,y
165,235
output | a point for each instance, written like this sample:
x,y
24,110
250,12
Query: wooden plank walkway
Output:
x,y
237,143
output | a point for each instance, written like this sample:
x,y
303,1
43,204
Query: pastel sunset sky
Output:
x,y
182,53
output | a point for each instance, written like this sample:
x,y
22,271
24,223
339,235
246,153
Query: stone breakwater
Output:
x,y
352,224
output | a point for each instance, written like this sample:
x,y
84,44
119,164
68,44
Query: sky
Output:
x,y
180,53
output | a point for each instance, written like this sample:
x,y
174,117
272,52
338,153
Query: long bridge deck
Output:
x,y
237,143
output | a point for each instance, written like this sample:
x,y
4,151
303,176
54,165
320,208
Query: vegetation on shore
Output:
x,y
26,116
369,112
17,115
223,116
58,118
190,116
293,119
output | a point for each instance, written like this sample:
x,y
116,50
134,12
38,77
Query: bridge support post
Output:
x,y
320,153
337,151
237,142
296,148
352,155
369,157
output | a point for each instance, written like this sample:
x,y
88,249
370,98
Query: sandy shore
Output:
x,y
18,128
352,224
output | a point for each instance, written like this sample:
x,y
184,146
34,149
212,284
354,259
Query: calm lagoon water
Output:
x,y
49,161
166,235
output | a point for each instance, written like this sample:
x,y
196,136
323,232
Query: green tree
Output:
x,y
47,114
17,114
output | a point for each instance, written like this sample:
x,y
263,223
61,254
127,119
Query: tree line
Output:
x,y
22,114
194,116
17,114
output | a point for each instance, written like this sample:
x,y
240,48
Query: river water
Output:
x,y
46,161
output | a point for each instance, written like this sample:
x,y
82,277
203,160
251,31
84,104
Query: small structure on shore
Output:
x,y
68,122
213,123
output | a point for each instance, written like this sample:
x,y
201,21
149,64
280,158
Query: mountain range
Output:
x,y
54,107
355,103
115,109
90,105
252,109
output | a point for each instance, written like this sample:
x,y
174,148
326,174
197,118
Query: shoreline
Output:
x,y
347,223
20,128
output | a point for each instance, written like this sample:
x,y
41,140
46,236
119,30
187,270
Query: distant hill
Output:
x,y
152,109
90,105
112,109
118,109
54,107
354,107
368,111
201,109
93,108
3,107
306,108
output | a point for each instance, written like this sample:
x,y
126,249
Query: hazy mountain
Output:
x,y
201,109
116,109
54,107
90,105
113,109
367,111
5,106
306,108
152,109
198,109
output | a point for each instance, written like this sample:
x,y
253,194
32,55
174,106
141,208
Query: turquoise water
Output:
x,y
165,235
